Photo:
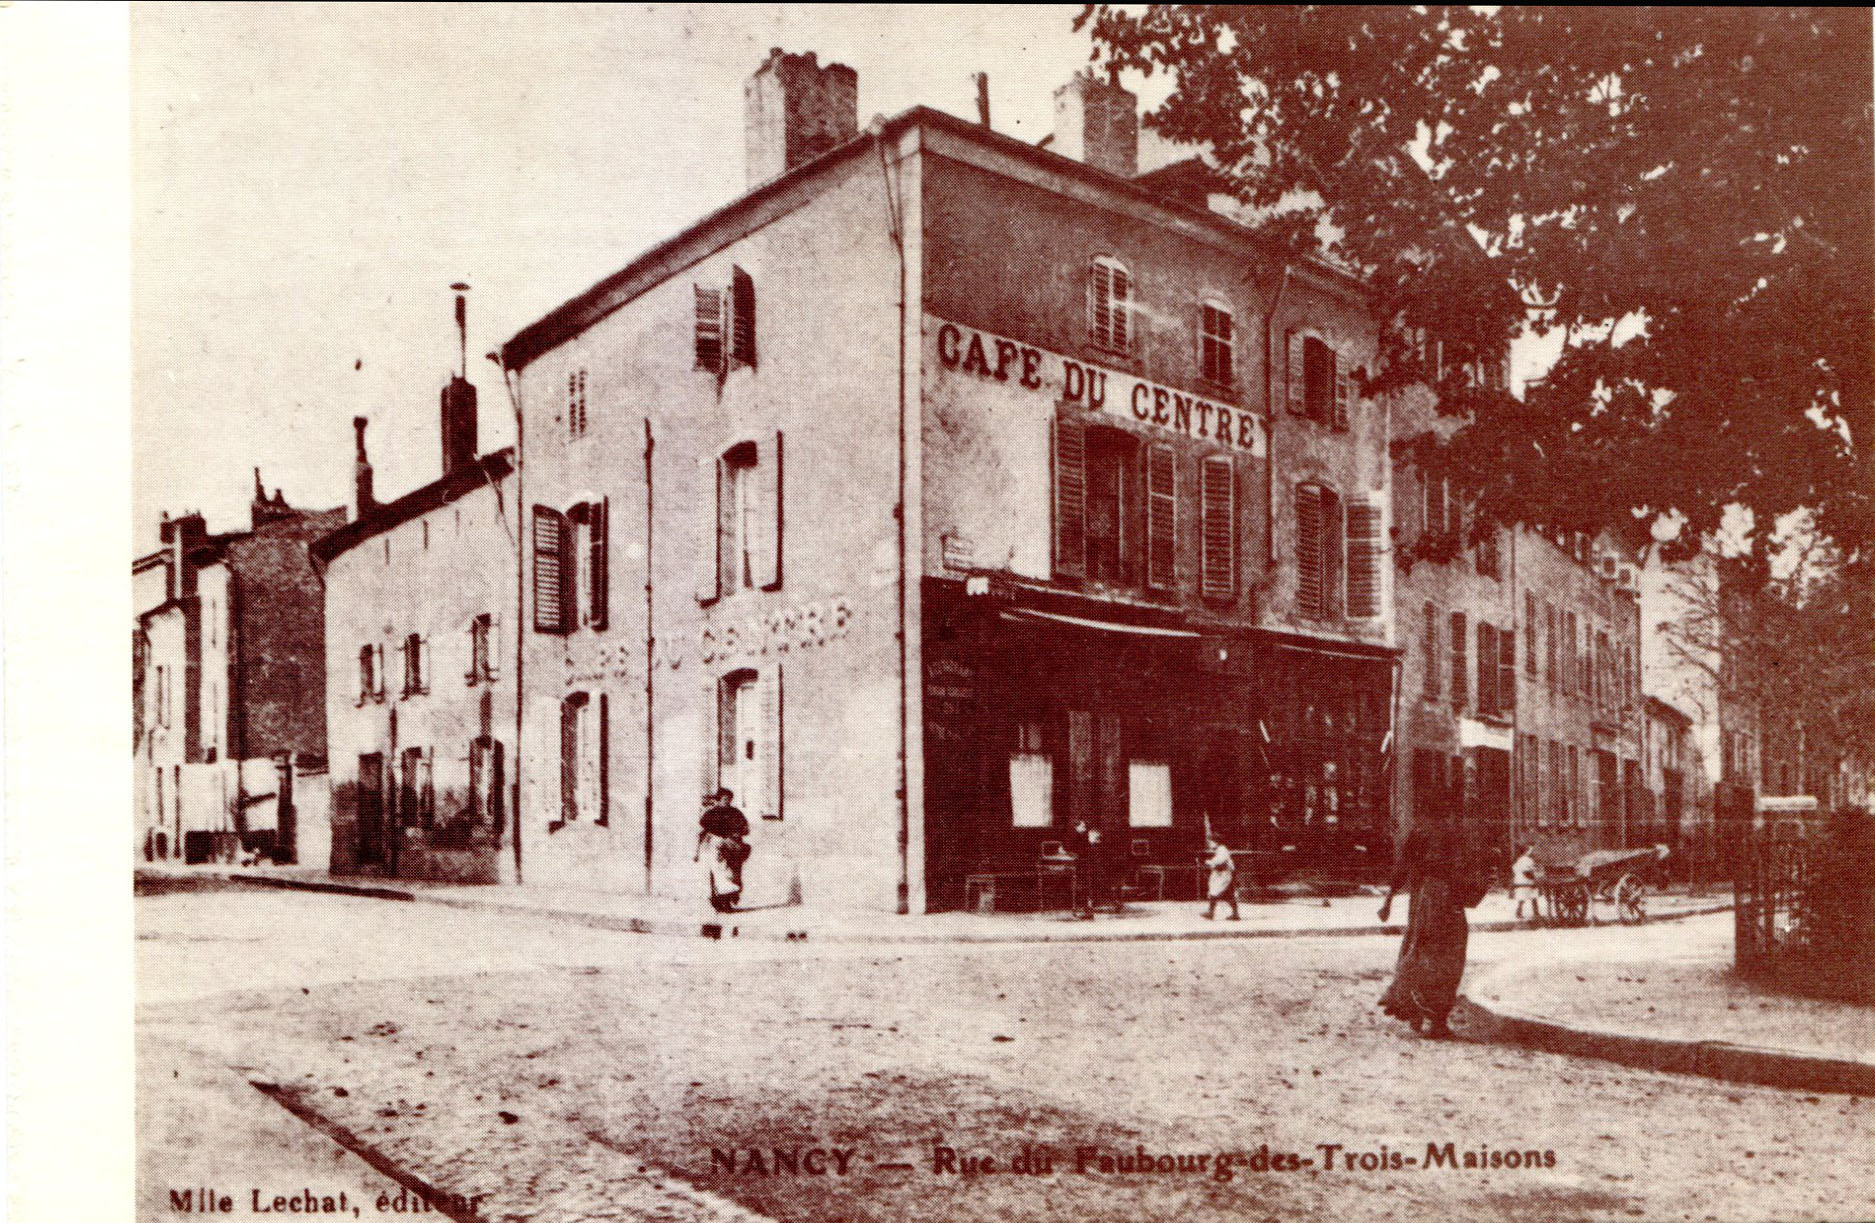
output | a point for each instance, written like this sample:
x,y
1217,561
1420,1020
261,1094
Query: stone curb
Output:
x,y
680,928
1713,1059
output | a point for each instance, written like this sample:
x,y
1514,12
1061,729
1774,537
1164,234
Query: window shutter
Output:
x,y
378,671
423,665
1298,405
709,528
550,570
1344,391
491,647
709,329
1309,551
772,745
605,760
1363,559
1461,680
1070,497
1334,555
600,526
569,761
1507,669
1429,645
1487,669
742,318
1218,531
768,494
709,720
1121,308
1161,517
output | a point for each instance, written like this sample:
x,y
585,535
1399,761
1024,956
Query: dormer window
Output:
x,y
1110,304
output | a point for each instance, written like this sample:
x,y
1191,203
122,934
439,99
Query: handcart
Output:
x,y
1617,878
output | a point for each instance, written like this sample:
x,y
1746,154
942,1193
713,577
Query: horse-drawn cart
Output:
x,y
1617,878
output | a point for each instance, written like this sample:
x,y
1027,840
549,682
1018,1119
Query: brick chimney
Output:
x,y
362,501
182,535
459,418
795,109
1097,122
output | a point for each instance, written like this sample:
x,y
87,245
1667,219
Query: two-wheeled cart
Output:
x,y
1617,878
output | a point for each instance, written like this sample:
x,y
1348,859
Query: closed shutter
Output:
x,y
1309,590
600,526
378,671
1507,669
709,528
709,329
1461,648
569,760
742,318
1161,517
1121,306
497,788
551,576
1363,559
1218,530
605,760
1334,555
772,745
768,493
1487,669
1298,403
709,715
1070,497
1344,391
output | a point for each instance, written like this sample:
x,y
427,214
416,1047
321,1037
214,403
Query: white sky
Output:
x,y
307,181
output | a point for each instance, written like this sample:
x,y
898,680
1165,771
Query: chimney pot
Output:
x,y
363,502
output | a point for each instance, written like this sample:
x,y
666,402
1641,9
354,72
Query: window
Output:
x,y
1112,493
1461,680
1549,646
1435,505
748,739
554,572
482,650
1318,383
1363,548
575,737
1575,786
1149,794
1585,674
416,789
710,348
1571,662
1031,779
1319,538
1429,646
1218,537
487,783
724,334
1529,635
1215,345
416,665
575,404
1110,304
742,493
1507,670
370,673
1487,670
1486,556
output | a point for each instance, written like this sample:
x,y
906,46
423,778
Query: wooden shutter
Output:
x,y
1218,529
708,718
569,760
1120,305
378,671
599,525
550,570
768,491
1363,559
1070,497
1344,391
709,528
1334,555
605,760
491,647
1296,380
424,674
742,318
709,329
1309,588
1487,669
773,765
1161,517
1507,669
1461,680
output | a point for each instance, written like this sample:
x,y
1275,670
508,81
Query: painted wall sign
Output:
x,y
759,633
1064,380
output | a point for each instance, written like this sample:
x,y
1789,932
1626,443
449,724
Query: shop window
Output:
x,y
1319,541
1216,345
742,495
1031,779
1110,304
1148,794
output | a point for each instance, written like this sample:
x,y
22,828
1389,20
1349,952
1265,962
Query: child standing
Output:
x,y
1523,881
1222,884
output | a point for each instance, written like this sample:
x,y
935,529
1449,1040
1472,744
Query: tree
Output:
x,y
1702,174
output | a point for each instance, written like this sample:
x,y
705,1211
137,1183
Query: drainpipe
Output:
x,y
1271,413
650,663
510,379
898,513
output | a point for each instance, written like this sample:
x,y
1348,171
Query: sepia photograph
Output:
x,y
891,613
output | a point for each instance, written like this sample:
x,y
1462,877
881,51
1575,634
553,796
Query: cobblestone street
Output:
x,y
561,1073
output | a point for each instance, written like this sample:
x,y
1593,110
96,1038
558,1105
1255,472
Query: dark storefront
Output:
x,y
1044,709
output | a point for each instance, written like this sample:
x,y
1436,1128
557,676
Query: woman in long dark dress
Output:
x,y
1435,867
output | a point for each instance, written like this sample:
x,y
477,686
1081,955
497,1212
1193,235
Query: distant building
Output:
x,y
939,493
420,681
228,688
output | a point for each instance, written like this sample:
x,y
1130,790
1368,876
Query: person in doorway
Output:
x,y
1090,867
1437,868
1221,879
1523,882
723,832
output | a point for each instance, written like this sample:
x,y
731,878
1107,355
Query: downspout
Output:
x,y
898,513
650,663
1271,413
511,384
1517,762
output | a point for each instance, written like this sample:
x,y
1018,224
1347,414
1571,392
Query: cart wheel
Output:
x,y
1575,904
1630,901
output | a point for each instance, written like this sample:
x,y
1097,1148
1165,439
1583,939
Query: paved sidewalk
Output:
x,y
1684,1015
1290,916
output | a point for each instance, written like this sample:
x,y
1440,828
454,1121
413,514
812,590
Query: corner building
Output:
x,y
936,494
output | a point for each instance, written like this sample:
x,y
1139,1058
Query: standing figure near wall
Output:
x,y
723,832
1436,867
